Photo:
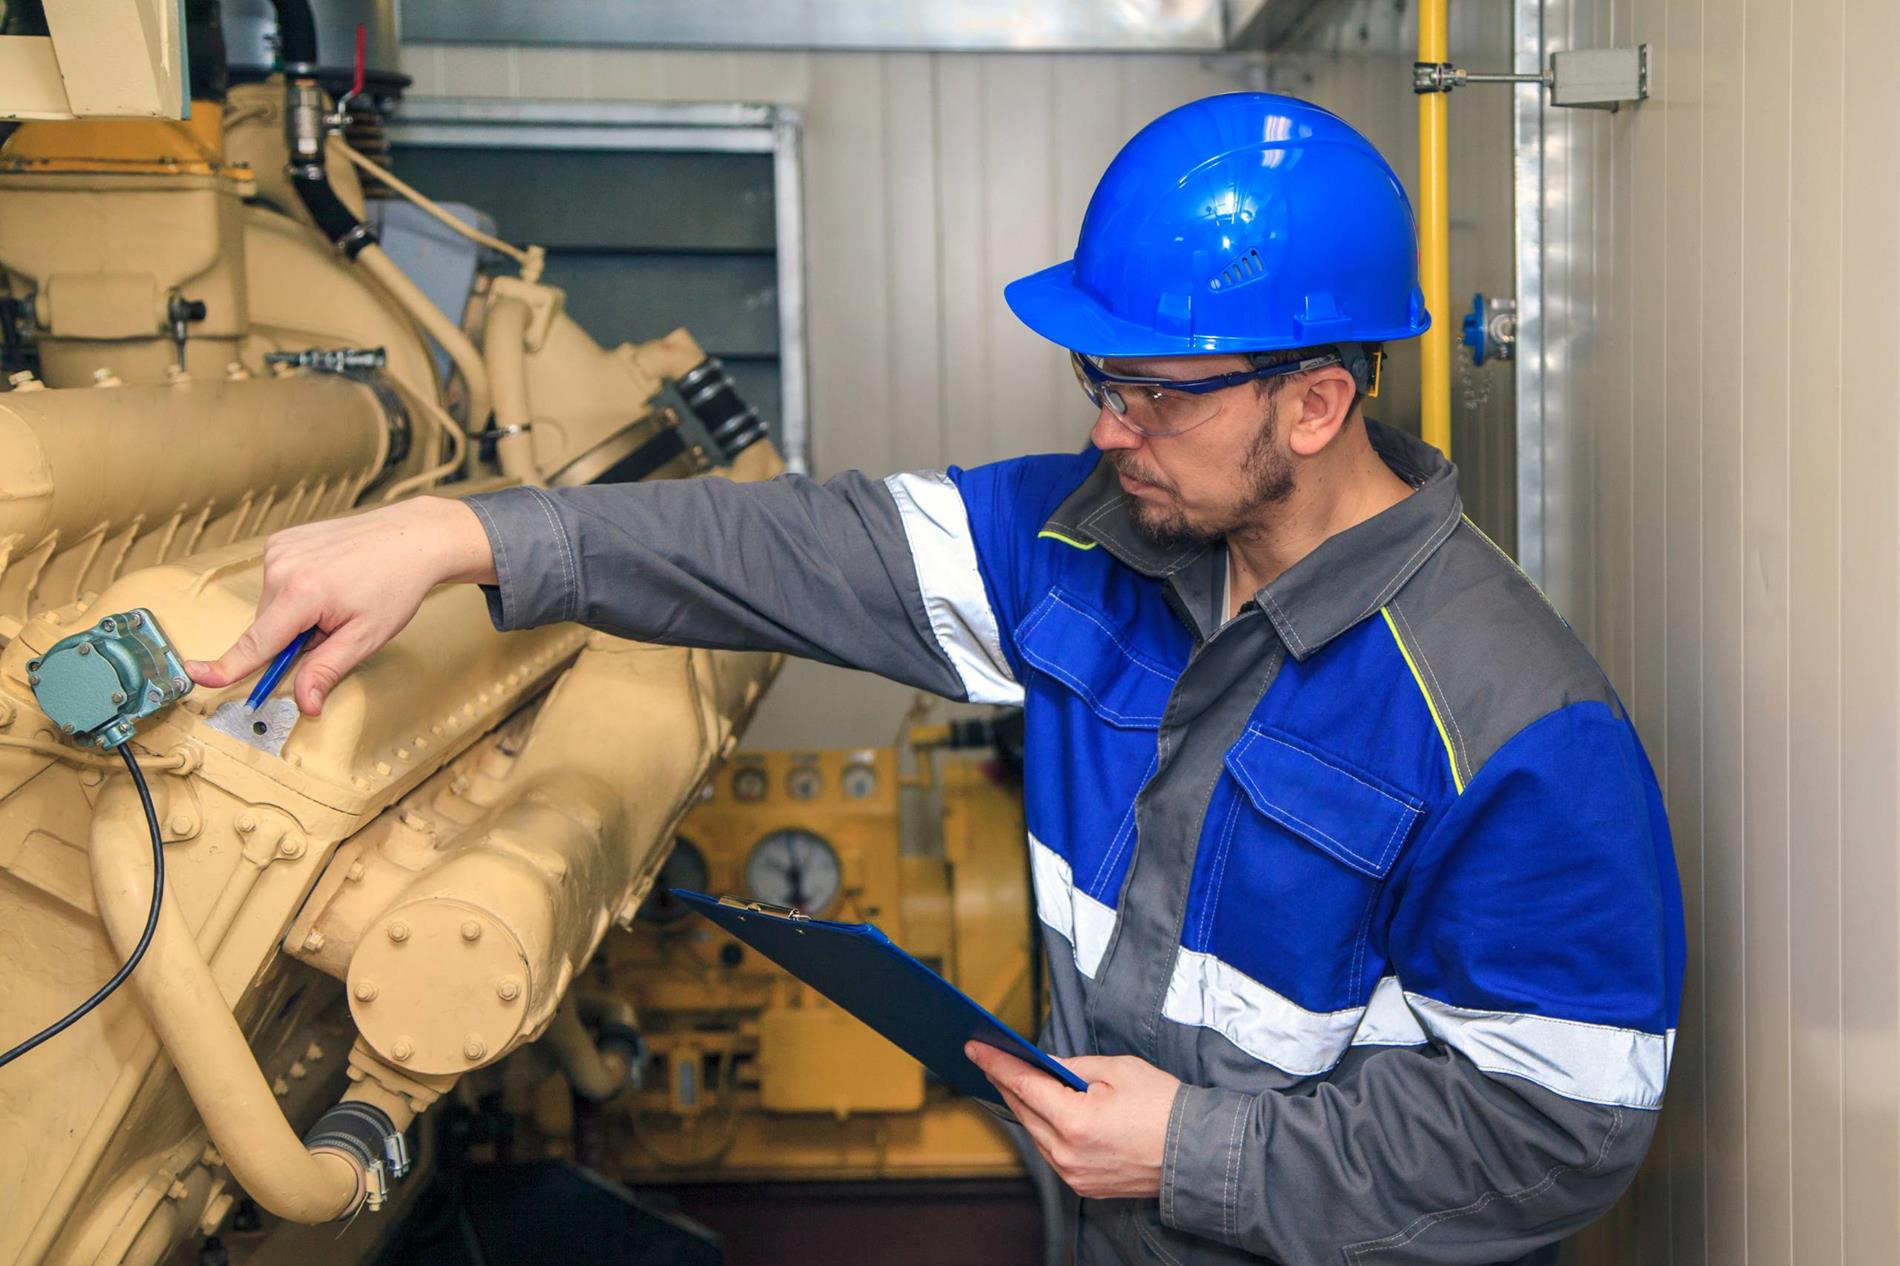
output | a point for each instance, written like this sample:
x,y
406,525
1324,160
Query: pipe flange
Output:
x,y
425,987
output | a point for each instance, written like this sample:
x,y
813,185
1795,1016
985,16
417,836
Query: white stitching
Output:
x,y
1264,733
1229,1203
568,568
502,570
1124,833
1220,873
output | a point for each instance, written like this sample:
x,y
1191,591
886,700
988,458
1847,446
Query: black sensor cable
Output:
x,y
145,938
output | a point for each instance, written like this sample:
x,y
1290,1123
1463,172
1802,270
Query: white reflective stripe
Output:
x,y
1389,1020
1268,1026
1592,1063
1595,1063
1081,920
938,528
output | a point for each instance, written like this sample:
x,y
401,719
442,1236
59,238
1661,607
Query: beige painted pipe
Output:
x,y
74,457
197,1030
595,1074
505,347
422,310
133,1071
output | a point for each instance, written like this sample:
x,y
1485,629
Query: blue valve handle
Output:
x,y
278,667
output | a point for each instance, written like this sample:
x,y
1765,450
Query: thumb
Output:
x,y
272,629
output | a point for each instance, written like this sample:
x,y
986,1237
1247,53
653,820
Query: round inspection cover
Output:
x,y
438,987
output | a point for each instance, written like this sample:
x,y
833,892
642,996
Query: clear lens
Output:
x,y
1153,411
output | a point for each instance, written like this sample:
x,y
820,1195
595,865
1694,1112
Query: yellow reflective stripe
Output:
x,y
1057,536
1444,736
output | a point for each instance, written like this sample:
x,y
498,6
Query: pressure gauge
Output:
x,y
859,782
795,868
804,783
750,784
685,868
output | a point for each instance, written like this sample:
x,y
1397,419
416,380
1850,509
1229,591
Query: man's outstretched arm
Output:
x,y
873,574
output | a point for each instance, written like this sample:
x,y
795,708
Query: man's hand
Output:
x,y
358,580
1105,1144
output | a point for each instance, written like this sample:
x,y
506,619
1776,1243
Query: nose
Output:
x,y
1111,433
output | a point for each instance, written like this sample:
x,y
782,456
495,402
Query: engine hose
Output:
x,y
296,34
336,221
733,425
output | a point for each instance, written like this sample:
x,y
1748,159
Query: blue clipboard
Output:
x,y
864,972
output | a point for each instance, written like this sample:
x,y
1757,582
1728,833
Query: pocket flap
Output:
x,y
1082,650
1359,820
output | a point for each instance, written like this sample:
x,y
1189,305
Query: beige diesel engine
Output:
x,y
362,910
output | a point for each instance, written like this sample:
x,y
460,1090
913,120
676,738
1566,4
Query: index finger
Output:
x,y
276,623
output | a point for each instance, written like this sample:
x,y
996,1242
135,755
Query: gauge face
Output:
x,y
794,868
859,782
804,783
685,868
749,783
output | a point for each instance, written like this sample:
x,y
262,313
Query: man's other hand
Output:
x,y
1105,1144
358,581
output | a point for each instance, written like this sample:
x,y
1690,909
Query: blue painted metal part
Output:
x,y
95,684
1474,333
275,673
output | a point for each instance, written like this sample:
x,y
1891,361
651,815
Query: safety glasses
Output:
x,y
1160,407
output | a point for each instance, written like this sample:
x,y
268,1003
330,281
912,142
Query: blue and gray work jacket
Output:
x,y
1377,868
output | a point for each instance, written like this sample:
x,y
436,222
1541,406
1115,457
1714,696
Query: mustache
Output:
x,y
1124,465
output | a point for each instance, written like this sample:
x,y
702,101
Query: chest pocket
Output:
x,y
1291,887
1093,705
1080,649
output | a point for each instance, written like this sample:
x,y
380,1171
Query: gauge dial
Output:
x,y
794,868
750,784
804,783
685,868
859,782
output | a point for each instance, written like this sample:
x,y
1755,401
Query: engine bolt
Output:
x,y
313,942
471,931
474,1048
399,931
66,728
246,823
181,825
137,619
403,1048
365,991
509,989
356,872
181,684
32,679
85,648
118,696
291,846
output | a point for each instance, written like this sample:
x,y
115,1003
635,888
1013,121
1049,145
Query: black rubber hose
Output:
x,y
336,221
80,1012
296,33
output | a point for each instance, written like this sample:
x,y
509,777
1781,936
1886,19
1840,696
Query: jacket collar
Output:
x,y
1348,577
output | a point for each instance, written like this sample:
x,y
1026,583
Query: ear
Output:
x,y
1321,402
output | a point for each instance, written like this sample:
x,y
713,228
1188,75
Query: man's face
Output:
x,y
1194,488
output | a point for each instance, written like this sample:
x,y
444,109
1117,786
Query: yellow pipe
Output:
x,y
197,1030
1434,244
422,310
505,348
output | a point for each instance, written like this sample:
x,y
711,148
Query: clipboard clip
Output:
x,y
766,907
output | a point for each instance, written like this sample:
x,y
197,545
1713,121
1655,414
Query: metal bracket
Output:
x,y
1593,78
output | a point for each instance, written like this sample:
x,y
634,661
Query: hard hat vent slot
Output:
x,y
1246,268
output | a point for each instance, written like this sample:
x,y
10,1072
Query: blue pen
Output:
x,y
275,673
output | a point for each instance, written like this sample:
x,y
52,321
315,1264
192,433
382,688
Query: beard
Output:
x,y
1266,477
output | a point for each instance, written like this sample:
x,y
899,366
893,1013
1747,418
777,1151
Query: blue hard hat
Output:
x,y
1247,222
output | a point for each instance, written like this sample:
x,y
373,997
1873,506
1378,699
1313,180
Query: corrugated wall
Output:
x,y
1732,382
1724,316
930,181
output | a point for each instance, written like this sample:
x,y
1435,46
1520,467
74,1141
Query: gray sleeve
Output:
x,y
1405,1155
822,571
